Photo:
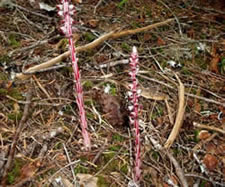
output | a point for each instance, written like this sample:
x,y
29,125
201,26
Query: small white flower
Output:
x,y
172,63
201,47
71,7
107,88
52,134
60,113
60,13
134,50
139,92
130,108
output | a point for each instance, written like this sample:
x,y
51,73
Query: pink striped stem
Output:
x,y
134,109
65,11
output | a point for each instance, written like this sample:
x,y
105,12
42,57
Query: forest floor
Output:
x,y
181,75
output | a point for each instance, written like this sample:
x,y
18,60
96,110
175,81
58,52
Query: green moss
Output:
x,y
203,183
80,169
117,138
222,65
135,25
196,133
201,63
113,91
124,169
108,156
58,145
13,41
3,76
115,148
89,36
83,158
67,109
122,3
153,116
3,92
149,13
67,69
126,47
102,182
163,64
13,92
185,71
88,84
160,111
15,116
176,151
15,172
88,102
90,115
155,155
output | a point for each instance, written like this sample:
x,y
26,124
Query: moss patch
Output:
x,y
102,182
15,172
15,116
13,41
80,169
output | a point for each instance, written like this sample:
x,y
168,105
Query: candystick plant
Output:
x,y
134,109
66,11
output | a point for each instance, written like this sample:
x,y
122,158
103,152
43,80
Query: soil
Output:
x,y
41,141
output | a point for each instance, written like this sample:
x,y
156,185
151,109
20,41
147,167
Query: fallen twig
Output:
x,y
178,169
179,117
209,127
187,94
95,43
15,138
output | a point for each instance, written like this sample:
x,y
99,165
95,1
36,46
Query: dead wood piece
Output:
x,y
149,93
142,29
202,126
16,137
179,117
95,43
178,169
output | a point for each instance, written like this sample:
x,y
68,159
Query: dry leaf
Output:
x,y
93,23
191,33
210,162
203,134
29,170
210,148
160,42
197,105
147,37
112,108
213,66
220,150
16,107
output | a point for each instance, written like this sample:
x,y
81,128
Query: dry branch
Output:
x,y
15,138
202,126
179,117
95,43
178,169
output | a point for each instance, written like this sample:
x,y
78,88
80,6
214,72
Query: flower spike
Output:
x,y
65,11
134,94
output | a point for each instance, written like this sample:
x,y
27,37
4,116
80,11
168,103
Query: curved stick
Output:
x,y
95,43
